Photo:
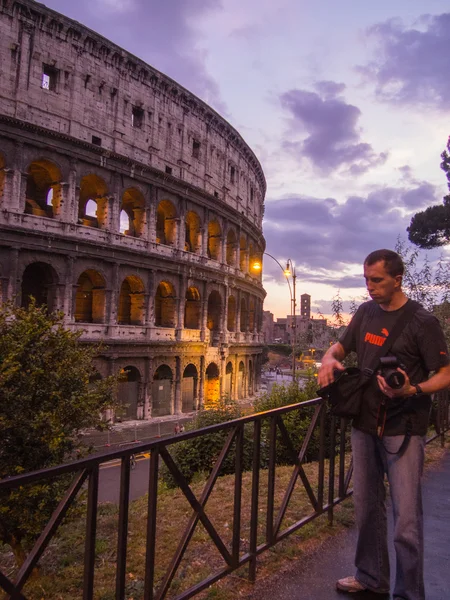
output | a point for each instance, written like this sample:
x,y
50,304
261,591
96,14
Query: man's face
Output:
x,y
380,285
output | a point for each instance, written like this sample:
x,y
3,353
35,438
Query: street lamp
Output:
x,y
289,271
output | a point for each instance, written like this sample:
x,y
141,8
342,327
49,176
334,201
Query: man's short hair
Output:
x,y
393,262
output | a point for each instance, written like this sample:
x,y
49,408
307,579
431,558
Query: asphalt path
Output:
x,y
109,481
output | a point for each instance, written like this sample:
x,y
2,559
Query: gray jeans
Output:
x,y
404,473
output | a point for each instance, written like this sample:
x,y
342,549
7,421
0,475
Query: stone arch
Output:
x,y
241,381
128,392
162,391
165,305
130,310
231,248
166,230
214,240
132,213
214,310
40,281
231,314
192,309
2,176
251,314
189,388
90,298
243,254
228,386
93,195
212,386
43,196
193,236
244,315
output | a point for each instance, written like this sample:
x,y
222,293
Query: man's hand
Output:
x,y
326,371
406,390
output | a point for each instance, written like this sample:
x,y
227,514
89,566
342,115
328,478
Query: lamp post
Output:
x,y
288,271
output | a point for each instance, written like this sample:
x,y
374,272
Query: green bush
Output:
x,y
199,454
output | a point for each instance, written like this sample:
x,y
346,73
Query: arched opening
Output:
x,y
90,298
132,213
244,315
162,391
251,378
128,393
214,310
228,387
243,254
214,240
192,309
2,176
193,238
166,230
231,314
240,381
212,386
251,315
131,302
165,305
39,280
93,202
231,248
43,191
189,387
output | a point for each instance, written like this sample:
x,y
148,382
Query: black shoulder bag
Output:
x,y
345,393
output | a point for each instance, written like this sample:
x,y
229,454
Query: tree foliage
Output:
x,y
48,393
431,228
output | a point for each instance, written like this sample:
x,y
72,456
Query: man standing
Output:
x,y
378,433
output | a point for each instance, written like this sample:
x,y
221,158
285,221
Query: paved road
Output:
x,y
109,482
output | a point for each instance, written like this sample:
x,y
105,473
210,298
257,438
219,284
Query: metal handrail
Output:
x,y
87,469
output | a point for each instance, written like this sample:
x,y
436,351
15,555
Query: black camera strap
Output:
x,y
410,307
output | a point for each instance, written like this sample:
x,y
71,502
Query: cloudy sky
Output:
x,y
345,104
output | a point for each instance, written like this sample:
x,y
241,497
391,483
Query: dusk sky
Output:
x,y
344,103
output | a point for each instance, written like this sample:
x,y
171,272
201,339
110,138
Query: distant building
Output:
x,y
305,306
267,327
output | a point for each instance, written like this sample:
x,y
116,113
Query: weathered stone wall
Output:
x,y
127,250
99,92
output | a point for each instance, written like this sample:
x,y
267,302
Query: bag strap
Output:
x,y
410,308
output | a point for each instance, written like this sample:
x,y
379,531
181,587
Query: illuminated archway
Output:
x,y
192,239
132,213
93,201
131,302
128,392
243,254
166,230
228,386
212,386
165,305
231,247
214,310
214,240
244,315
162,391
43,194
241,381
189,389
192,309
90,298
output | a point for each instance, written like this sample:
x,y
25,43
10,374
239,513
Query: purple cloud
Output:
x,y
323,237
333,140
412,65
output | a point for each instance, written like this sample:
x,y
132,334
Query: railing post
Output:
x,y
237,495
151,525
91,531
331,470
271,479
254,500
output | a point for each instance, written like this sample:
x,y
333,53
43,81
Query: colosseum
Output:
x,y
133,207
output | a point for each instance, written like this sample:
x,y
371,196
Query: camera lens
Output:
x,y
395,380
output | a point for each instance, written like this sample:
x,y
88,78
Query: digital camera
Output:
x,y
388,369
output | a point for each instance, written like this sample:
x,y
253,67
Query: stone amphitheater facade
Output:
x,y
133,207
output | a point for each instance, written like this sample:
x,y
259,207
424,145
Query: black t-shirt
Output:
x,y
420,348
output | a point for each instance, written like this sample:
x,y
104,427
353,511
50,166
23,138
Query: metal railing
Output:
x,y
324,487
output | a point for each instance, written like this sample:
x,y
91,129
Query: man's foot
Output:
x,y
350,585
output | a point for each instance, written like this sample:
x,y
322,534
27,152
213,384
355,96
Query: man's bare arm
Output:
x,y
331,360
